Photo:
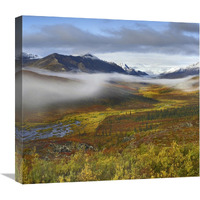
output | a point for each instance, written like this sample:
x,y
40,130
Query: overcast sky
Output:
x,y
150,46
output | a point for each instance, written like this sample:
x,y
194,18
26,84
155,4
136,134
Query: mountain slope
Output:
x,y
132,71
137,73
86,63
181,72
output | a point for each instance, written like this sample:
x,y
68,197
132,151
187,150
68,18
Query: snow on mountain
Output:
x,y
125,67
29,56
26,56
132,71
178,69
90,56
190,70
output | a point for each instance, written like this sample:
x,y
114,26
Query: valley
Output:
x,y
106,127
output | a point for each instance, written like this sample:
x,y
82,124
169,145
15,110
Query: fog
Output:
x,y
41,87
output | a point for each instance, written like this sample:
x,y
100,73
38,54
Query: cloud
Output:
x,y
149,62
65,37
43,88
185,27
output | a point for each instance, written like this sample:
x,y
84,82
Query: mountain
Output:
x,y
86,63
27,56
181,72
137,73
90,56
132,71
125,67
24,59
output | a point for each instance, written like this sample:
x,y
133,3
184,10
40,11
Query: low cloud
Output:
x,y
45,88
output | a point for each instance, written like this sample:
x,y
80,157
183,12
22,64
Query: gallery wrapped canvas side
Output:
x,y
18,102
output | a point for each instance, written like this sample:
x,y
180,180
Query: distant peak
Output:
x,y
125,67
88,55
179,69
27,56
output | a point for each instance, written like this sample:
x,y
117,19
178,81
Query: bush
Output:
x,y
146,161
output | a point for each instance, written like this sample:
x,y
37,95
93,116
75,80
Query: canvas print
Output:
x,y
100,99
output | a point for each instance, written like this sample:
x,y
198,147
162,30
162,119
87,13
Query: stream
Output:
x,y
46,131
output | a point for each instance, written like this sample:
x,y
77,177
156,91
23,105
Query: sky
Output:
x,y
153,47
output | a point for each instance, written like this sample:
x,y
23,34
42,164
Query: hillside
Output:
x,y
87,63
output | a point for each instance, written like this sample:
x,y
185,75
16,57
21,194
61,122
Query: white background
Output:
x,y
155,10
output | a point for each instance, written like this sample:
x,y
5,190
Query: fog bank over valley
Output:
x,y
42,87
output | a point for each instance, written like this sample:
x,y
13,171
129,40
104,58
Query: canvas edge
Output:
x,y
18,98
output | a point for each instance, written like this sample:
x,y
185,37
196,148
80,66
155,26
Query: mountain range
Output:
x,y
85,63
132,71
181,72
89,63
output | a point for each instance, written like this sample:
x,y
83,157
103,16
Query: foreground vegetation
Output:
x,y
148,161
152,137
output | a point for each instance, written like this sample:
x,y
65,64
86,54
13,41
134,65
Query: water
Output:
x,y
42,132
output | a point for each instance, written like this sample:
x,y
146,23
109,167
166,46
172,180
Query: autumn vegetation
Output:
x,y
153,134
